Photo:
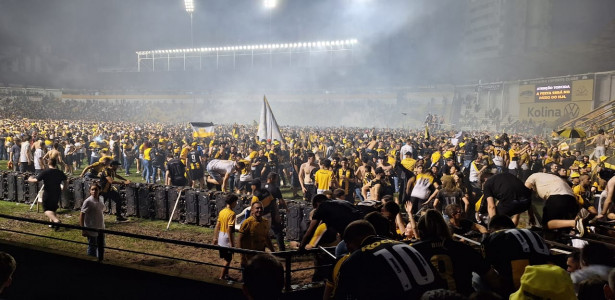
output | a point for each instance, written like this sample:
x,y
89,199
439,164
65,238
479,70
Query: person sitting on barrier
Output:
x,y
254,233
7,268
263,278
224,233
109,191
91,216
54,182
93,171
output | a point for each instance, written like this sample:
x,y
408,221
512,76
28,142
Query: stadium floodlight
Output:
x,y
270,4
189,5
190,9
252,47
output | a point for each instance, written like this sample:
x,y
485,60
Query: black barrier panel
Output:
x,y
297,220
132,205
219,198
160,201
68,195
191,205
21,187
242,204
173,193
144,201
11,182
78,192
33,188
205,208
3,185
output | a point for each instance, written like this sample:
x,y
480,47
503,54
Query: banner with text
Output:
x,y
555,99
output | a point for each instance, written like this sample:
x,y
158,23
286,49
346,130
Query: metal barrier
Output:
x,y
286,255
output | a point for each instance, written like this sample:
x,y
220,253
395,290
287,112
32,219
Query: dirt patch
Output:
x,y
168,258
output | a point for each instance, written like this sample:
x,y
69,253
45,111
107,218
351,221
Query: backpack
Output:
x,y
177,170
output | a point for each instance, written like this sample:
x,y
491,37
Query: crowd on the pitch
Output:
x,y
408,187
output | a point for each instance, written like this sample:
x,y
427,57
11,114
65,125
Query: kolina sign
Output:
x,y
555,99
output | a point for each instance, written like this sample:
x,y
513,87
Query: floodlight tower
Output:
x,y
190,9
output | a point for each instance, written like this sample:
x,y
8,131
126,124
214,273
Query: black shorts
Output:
x,y
310,192
244,186
50,203
416,203
560,207
196,174
513,207
226,254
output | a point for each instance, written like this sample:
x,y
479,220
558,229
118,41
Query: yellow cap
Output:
x,y
575,175
545,282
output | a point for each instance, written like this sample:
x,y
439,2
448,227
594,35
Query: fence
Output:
x,y
287,256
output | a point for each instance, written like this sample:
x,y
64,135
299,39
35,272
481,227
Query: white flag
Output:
x,y
268,127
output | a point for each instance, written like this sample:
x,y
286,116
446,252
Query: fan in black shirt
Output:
x,y
54,182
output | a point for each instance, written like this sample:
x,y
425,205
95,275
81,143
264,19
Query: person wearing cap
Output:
x,y
545,282
109,191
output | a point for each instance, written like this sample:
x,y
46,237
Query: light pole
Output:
x,y
190,9
270,5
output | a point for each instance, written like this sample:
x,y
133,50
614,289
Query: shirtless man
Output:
x,y
305,178
54,154
360,178
600,142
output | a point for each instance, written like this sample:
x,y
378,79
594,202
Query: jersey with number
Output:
x,y
499,156
454,261
194,160
509,251
385,269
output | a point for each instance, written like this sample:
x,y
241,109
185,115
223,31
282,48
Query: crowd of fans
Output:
x,y
395,202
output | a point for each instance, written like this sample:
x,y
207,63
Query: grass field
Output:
x,y
156,228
